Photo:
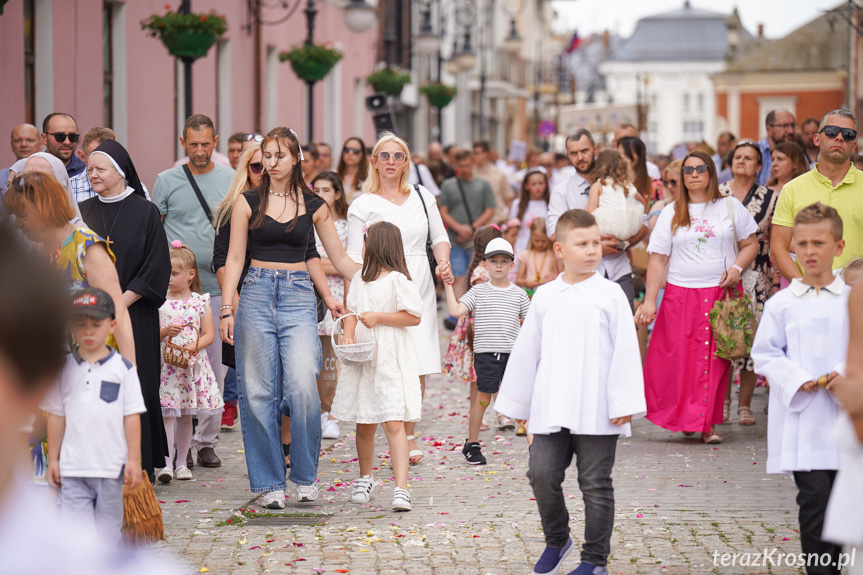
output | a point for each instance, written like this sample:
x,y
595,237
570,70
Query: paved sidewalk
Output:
x,y
677,502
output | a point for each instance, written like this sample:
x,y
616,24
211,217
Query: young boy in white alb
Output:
x,y
800,348
94,425
575,373
500,307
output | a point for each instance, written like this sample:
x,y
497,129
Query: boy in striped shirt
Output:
x,y
499,308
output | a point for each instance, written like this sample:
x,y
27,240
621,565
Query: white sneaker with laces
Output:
x,y
363,487
274,500
307,493
329,427
401,499
165,475
183,474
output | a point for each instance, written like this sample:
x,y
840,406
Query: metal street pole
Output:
x,y
311,12
440,70
185,8
536,82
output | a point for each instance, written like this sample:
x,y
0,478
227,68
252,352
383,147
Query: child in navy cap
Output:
x,y
94,426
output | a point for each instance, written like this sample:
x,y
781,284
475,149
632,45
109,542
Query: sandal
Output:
x,y
484,427
286,448
744,416
415,456
711,438
504,423
726,411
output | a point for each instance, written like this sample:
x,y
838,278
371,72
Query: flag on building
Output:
x,y
574,43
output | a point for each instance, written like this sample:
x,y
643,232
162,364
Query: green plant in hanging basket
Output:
x,y
186,35
389,81
439,95
311,62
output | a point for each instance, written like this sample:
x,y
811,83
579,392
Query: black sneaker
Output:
x,y
472,454
450,323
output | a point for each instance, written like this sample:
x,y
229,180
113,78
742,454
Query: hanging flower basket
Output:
x,y
311,62
439,95
389,81
186,35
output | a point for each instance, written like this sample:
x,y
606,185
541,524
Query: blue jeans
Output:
x,y
276,338
459,260
550,456
230,395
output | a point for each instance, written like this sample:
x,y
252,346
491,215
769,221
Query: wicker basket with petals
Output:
x,y
356,353
179,356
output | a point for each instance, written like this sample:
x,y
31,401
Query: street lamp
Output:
x,y
427,43
512,43
360,16
466,59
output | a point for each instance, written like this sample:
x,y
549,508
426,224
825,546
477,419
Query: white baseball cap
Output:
x,y
498,246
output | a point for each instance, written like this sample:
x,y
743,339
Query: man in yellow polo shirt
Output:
x,y
835,182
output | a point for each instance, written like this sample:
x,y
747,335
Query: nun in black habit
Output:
x,y
131,225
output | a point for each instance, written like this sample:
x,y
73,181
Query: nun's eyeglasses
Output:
x,y
256,137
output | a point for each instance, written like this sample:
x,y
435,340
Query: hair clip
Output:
x,y
495,226
176,244
291,130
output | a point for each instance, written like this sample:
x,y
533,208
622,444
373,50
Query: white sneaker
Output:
x,y
274,500
183,474
165,475
306,493
401,499
363,487
329,427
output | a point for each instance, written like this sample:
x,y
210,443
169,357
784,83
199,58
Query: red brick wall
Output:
x,y
814,104
722,105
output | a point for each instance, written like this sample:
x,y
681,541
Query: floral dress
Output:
x,y
458,360
194,390
757,281
335,282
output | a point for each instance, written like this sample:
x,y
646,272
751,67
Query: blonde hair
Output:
x,y
239,184
538,225
373,182
186,256
854,266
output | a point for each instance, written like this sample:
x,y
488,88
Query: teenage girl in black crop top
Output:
x,y
275,223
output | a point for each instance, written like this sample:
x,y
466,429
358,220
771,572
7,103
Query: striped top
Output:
x,y
497,316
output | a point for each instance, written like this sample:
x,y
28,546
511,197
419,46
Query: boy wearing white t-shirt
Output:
x,y
500,307
572,374
800,348
94,425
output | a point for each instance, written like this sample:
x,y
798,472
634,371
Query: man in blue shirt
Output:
x,y
60,138
781,126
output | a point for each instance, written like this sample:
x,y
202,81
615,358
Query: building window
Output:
x,y
686,102
693,130
700,103
29,62
107,65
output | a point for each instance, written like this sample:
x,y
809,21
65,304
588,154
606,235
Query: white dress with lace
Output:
x,y
386,388
619,213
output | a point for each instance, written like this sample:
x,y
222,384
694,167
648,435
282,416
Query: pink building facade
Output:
x,y
90,59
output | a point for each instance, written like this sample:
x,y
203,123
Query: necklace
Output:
x,y
540,266
278,194
102,211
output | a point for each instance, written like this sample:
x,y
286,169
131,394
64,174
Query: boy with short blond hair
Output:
x,y
572,374
800,348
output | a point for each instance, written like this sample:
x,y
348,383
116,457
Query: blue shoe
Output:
x,y
551,559
588,569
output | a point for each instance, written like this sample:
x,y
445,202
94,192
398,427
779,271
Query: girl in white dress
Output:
x,y
386,389
614,200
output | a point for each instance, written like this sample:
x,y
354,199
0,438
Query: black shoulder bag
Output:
x,y
204,204
320,308
429,250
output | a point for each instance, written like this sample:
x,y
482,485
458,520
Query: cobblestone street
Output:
x,y
678,502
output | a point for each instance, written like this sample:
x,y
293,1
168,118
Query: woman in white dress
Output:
x,y
387,197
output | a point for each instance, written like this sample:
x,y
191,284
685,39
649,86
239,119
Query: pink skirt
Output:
x,y
684,382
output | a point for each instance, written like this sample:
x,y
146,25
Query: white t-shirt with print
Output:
x,y
701,253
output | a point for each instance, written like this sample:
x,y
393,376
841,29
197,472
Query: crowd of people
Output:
x,y
211,300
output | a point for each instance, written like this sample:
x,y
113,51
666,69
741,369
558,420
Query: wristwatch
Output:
x,y
622,245
227,315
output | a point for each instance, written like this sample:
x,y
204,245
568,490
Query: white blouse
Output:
x,y
701,253
803,334
571,366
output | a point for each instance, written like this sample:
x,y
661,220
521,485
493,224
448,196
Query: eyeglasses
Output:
x,y
792,125
355,151
670,183
848,134
398,157
688,170
61,137
256,167
256,137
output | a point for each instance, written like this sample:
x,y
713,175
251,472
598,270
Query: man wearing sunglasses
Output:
x,y
781,127
834,182
60,138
